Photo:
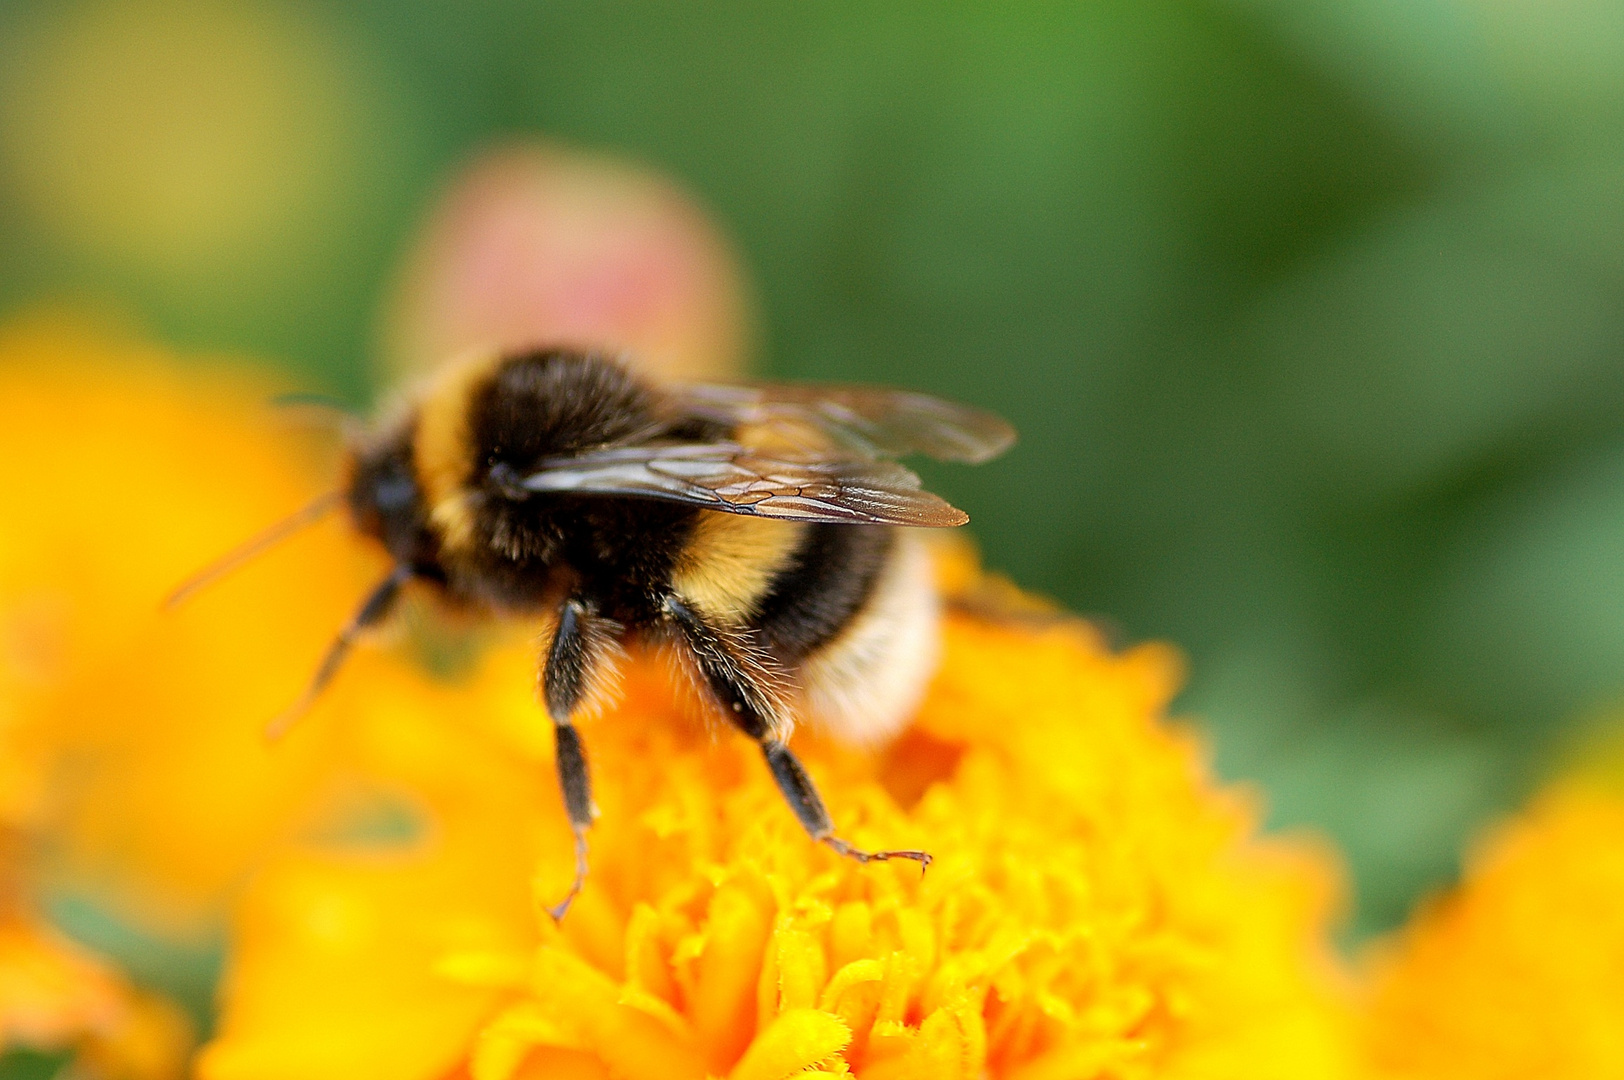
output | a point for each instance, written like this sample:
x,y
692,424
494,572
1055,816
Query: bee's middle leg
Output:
x,y
571,663
729,682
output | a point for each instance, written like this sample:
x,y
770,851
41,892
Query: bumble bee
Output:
x,y
750,531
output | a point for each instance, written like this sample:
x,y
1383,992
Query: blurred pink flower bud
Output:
x,y
537,245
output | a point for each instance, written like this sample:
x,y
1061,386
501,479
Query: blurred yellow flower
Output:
x,y
132,734
56,997
1518,973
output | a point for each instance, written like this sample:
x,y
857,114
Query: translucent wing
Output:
x,y
736,479
869,421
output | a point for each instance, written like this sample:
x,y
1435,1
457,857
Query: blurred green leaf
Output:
x,y
1432,339
1528,626
32,1065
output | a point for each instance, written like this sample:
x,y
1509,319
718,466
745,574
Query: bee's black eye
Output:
x,y
394,493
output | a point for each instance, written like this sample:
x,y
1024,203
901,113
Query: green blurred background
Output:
x,y
1311,314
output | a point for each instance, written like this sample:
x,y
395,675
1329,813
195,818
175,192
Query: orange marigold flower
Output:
x,y
1519,972
1095,908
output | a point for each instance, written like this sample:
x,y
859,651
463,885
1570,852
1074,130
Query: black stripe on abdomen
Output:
x,y
830,579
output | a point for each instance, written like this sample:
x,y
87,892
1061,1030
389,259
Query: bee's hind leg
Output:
x,y
573,659
728,680
808,805
577,785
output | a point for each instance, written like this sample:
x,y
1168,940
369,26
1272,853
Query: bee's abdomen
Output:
x,y
867,680
820,591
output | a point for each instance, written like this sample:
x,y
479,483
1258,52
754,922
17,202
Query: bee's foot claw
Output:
x,y
923,858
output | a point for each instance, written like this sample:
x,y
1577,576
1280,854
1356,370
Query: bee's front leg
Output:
x,y
374,610
574,659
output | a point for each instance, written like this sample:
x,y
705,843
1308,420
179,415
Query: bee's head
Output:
x,y
385,500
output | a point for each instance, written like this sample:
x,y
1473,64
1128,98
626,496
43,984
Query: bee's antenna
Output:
x,y
298,399
307,515
319,410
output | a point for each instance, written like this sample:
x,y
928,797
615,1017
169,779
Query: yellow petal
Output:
x,y
797,1040
1520,970
489,969
505,1043
850,933
586,1002
552,1063
658,1008
949,1045
854,996
723,1006
792,972
647,961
